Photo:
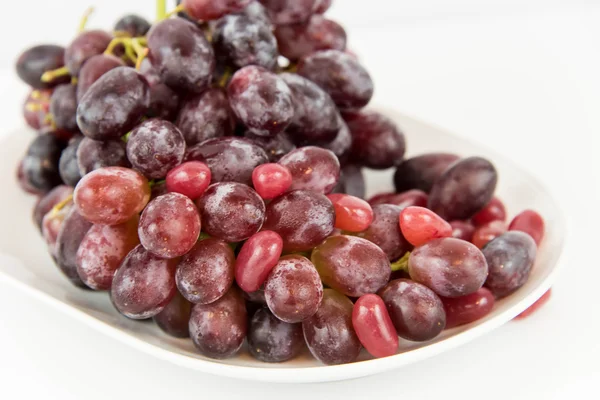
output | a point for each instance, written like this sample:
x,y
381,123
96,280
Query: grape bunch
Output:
x,y
207,171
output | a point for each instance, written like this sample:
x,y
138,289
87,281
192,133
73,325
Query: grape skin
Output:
x,y
469,308
93,69
298,40
48,201
95,154
351,182
33,62
67,165
312,168
63,107
86,45
205,10
421,172
284,12
385,231
72,231
143,285
40,164
272,340
275,147
134,25
174,318
256,259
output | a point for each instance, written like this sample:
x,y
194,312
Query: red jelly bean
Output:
x,y
531,223
256,259
420,225
488,232
351,213
493,211
271,180
374,326
535,306
190,179
466,309
462,230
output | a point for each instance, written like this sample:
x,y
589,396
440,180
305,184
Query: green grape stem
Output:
x,y
401,264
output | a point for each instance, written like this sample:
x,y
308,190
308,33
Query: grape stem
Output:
x,y
178,9
84,18
161,9
49,76
225,77
36,94
401,264
61,205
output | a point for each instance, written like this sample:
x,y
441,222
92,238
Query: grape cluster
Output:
x,y
207,171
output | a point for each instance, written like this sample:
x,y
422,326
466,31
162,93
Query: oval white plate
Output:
x,y
25,263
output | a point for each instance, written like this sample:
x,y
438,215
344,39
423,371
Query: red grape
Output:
x,y
450,267
322,5
94,154
385,231
174,319
261,100
376,140
102,250
374,326
36,108
421,172
218,329
204,10
535,306
272,340
329,333
493,211
351,213
257,257
318,33
52,222
466,309
302,218
169,226
46,203
86,45
143,285
271,180
231,211
410,198
33,62
275,147
312,168
488,232
351,265
416,311
463,189
206,273
191,179
420,225
510,258
293,289
111,195
462,230
529,222
93,69
339,74
154,147
284,12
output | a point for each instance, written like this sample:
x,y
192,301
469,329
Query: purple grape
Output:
x,y
376,141
339,74
450,267
206,116
33,62
169,226
106,97
94,154
329,333
164,102
230,159
316,119
46,203
342,144
302,218
416,311
40,165
284,12
351,265
275,147
322,5
261,100
72,232
231,211
510,258
206,272
63,107
143,285
86,45
218,329
240,40
385,232
272,340
93,69
298,40
257,12
293,289
422,171
155,147
174,319
133,25
312,168
352,181
257,297
205,10
67,165
52,224
463,189
181,54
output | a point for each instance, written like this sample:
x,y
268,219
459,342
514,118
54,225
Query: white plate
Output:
x,y
24,263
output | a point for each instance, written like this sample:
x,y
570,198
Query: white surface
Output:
x,y
521,77
24,262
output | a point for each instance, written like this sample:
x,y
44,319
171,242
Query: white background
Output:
x,y
521,76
